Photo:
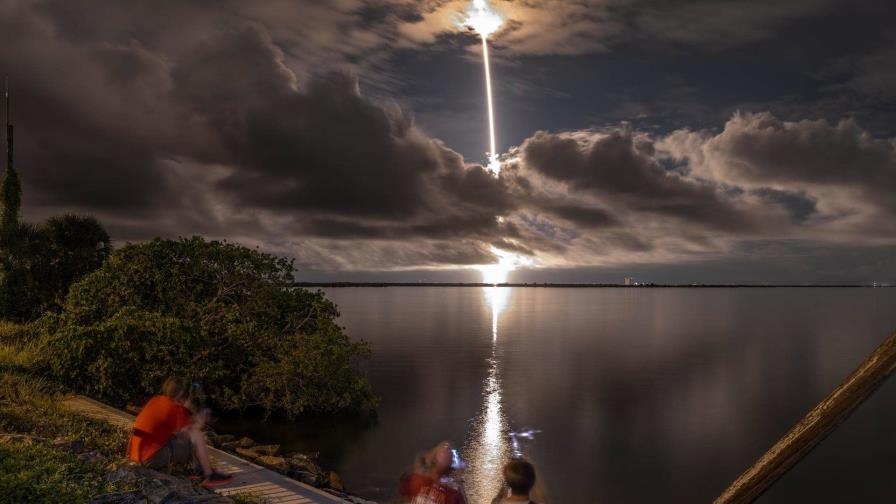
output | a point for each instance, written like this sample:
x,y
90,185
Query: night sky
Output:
x,y
675,141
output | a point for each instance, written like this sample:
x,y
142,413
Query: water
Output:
x,y
641,395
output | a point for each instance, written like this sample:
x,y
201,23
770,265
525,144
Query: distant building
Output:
x,y
629,281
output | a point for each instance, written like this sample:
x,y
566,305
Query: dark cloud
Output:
x,y
717,24
248,121
622,167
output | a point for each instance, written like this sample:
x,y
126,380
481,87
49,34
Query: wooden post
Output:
x,y
814,427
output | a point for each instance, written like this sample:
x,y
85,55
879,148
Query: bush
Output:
x,y
38,264
218,314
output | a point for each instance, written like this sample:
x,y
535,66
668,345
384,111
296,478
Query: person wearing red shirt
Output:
x,y
166,433
431,481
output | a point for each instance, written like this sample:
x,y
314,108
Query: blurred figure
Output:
x,y
432,479
166,434
519,479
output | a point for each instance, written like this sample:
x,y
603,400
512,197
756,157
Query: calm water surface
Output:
x,y
640,395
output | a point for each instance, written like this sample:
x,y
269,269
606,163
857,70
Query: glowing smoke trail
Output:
x,y
493,165
481,18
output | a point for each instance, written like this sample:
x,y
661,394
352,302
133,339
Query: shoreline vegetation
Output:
x,y
51,454
79,317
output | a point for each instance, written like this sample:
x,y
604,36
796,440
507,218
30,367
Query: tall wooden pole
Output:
x,y
9,130
814,427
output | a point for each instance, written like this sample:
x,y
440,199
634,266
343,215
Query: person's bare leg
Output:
x,y
197,438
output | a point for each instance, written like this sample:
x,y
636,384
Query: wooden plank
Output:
x,y
248,478
814,427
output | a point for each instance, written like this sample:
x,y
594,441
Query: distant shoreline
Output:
x,y
581,285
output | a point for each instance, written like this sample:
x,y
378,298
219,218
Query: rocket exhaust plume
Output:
x,y
485,21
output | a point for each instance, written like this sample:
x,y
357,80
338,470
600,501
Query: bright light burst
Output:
x,y
497,273
481,18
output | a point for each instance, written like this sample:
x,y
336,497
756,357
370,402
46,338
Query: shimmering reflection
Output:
x,y
497,298
488,449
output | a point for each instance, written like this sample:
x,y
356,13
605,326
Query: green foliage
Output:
x,y
24,266
216,313
38,473
11,196
38,264
78,245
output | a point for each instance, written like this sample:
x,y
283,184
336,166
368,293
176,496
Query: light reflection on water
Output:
x,y
487,450
642,395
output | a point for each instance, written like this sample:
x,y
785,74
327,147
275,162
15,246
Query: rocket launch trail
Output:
x,y
493,164
485,21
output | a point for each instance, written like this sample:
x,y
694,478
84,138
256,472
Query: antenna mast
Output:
x,y
9,130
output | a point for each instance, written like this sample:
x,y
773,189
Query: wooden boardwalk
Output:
x,y
248,478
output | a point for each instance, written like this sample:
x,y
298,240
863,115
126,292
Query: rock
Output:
x,y
221,439
77,446
276,463
249,453
156,488
307,471
303,463
306,477
335,482
122,474
258,451
93,457
240,443
267,449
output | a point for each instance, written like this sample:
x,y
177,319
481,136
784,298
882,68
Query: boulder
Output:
x,y
301,462
220,439
77,446
267,449
313,479
240,443
255,452
273,462
335,482
93,457
156,488
249,453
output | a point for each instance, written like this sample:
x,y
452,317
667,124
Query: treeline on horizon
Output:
x,y
581,285
114,324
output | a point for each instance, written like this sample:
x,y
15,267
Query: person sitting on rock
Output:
x,y
519,478
431,480
166,433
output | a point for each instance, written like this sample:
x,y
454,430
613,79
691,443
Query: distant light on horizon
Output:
x,y
499,272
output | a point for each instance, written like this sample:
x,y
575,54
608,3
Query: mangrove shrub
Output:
x,y
222,315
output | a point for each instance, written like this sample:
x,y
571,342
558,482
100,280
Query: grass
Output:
x,y
37,471
40,473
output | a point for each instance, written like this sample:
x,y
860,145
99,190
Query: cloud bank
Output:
x,y
218,125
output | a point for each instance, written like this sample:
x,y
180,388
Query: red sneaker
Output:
x,y
216,479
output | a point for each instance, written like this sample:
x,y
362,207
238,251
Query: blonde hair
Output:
x,y
175,388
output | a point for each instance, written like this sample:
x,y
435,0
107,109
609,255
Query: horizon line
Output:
x,y
581,285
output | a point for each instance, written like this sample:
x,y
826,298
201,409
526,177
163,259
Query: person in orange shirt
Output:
x,y
166,433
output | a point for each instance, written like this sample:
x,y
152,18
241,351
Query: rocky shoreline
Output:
x,y
295,465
